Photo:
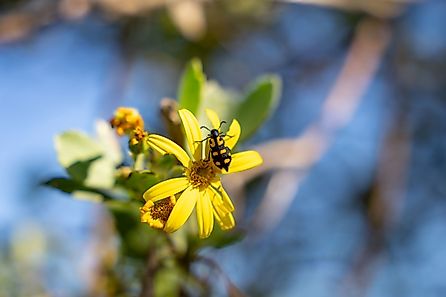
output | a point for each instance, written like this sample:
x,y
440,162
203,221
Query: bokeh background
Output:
x,y
352,198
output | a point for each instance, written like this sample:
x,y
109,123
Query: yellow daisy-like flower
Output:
x,y
126,119
200,186
156,213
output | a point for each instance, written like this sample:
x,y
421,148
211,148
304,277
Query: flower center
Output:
x,y
161,210
156,214
201,173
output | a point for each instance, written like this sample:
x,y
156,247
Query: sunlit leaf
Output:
x,y
192,82
260,101
222,100
74,146
101,174
88,196
82,157
108,139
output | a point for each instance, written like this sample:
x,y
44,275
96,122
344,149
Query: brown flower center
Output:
x,y
158,212
161,210
201,173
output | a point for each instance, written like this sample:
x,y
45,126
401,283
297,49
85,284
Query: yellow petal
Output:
x,y
182,209
222,199
166,146
193,132
244,161
226,221
217,200
166,188
154,214
144,211
213,117
233,134
205,215
223,217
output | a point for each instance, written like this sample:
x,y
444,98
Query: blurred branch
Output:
x,y
20,23
101,257
232,289
152,263
169,113
385,205
369,44
376,8
189,18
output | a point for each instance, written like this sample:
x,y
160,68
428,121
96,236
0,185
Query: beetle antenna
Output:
x,y
221,123
205,128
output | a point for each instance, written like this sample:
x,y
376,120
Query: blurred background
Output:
x,y
351,200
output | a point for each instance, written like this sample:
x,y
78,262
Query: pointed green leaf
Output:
x,y
78,171
192,82
64,184
259,103
75,187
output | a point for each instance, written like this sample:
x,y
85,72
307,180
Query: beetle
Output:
x,y
220,153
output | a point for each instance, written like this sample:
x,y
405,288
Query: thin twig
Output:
x,y
233,291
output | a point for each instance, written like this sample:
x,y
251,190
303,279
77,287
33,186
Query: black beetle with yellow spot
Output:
x,y
221,154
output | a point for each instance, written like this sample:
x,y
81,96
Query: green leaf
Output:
x,y
64,184
97,172
85,160
72,186
79,170
101,174
259,103
191,86
107,139
139,181
73,146
223,101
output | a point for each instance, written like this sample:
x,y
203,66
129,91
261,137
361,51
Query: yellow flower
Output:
x,y
200,186
156,213
126,119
